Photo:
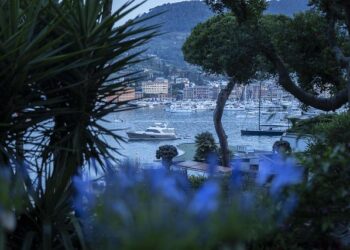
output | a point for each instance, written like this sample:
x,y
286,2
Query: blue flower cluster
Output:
x,y
158,203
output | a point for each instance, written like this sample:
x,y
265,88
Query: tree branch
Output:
x,y
326,104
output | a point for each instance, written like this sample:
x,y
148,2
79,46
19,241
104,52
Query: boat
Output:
x,y
159,131
180,108
268,130
232,107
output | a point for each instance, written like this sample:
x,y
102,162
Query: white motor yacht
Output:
x,y
159,131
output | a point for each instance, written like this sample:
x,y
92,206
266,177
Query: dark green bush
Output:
x,y
323,214
332,132
166,153
282,148
307,126
205,144
196,181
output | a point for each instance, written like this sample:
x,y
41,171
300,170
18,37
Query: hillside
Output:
x,y
178,19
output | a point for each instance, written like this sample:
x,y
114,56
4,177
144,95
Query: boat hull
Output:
x,y
143,136
262,132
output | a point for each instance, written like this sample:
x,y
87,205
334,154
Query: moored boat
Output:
x,y
159,131
262,132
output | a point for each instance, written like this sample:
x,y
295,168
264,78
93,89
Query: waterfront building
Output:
x,y
158,88
200,93
124,95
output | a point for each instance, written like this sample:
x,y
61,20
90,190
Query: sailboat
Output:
x,y
269,130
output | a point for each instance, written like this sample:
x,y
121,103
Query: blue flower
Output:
x,y
206,199
168,186
285,172
122,210
125,180
236,177
84,195
266,170
213,162
247,201
171,190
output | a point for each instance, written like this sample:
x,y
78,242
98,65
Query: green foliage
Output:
x,y
238,49
251,9
166,153
282,148
308,126
331,134
323,212
196,181
222,46
205,144
303,43
307,53
324,201
59,62
11,194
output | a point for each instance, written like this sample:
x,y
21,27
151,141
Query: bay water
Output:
x,y
187,126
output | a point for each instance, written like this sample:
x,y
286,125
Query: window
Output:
x,y
152,130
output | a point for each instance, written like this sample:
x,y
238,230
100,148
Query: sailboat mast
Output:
x,y
259,103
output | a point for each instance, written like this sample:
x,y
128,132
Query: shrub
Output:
x,y
166,153
333,132
307,126
322,219
205,145
196,181
282,148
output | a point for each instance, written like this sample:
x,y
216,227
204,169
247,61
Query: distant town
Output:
x,y
179,88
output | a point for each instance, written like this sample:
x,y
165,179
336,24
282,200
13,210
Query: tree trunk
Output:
x,y
167,163
219,110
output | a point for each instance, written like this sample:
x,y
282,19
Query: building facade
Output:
x,y
158,87
125,95
200,93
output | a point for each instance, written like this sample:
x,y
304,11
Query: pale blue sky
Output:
x,y
145,7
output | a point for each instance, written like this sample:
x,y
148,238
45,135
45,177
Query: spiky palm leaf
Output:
x,y
78,136
57,82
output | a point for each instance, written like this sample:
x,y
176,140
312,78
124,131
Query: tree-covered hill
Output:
x,y
178,19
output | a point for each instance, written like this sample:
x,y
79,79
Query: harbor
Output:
x,y
187,125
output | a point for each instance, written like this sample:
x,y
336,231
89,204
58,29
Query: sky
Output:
x,y
145,7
